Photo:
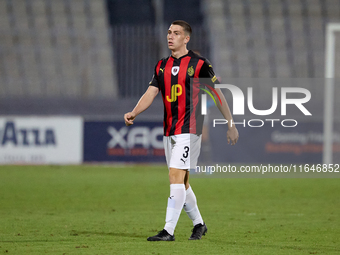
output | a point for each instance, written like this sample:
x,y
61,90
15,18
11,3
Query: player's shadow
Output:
x,y
102,233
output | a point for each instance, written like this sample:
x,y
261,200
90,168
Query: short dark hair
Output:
x,y
186,27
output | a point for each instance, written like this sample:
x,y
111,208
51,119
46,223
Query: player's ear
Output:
x,y
187,38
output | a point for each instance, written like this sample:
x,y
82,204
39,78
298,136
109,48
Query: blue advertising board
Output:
x,y
113,141
266,144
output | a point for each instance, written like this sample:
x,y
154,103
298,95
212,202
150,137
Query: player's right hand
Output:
x,y
129,118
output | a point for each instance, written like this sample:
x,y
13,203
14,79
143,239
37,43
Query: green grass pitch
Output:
x,y
112,210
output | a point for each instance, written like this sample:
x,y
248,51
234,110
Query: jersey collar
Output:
x,y
189,53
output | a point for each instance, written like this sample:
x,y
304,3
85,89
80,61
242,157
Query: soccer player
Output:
x,y
182,124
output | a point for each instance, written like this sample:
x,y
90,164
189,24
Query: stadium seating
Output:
x,y
278,38
55,49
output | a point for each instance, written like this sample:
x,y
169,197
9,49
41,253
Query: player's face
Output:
x,y
177,38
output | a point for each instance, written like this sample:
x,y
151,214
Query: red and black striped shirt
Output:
x,y
181,96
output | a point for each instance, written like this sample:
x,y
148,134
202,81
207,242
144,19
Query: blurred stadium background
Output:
x,y
94,59
70,69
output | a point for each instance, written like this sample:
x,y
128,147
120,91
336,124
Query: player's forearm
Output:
x,y
224,109
144,102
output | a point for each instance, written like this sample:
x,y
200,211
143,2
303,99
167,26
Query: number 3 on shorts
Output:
x,y
186,151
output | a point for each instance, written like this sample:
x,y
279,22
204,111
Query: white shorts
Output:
x,y
182,151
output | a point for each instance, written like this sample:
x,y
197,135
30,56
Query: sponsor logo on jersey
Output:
x,y
176,91
175,70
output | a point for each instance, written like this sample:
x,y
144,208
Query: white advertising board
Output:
x,y
41,140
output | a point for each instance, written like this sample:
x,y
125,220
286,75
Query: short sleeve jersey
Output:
x,y
179,81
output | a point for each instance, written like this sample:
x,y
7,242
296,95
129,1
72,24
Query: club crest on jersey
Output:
x,y
191,71
175,70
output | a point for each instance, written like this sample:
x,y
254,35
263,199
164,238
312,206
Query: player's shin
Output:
x,y
190,207
175,205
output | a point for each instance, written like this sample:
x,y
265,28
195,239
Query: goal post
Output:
x,y
328,120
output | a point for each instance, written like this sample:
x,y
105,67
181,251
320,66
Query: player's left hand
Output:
x,y
232,135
